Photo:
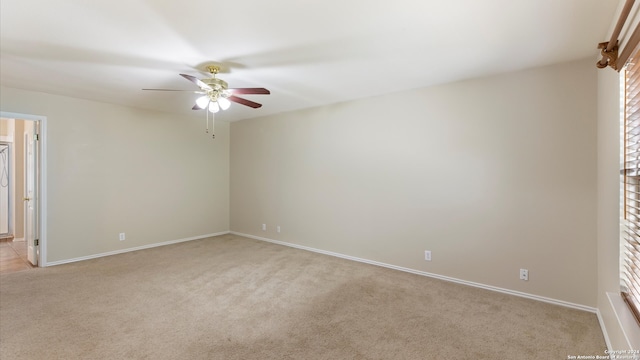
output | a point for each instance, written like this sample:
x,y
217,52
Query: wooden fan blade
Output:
x,y
196,107
245,102
257,91
196,81
194,91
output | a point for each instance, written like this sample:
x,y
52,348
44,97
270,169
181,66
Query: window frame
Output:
x,y
630,186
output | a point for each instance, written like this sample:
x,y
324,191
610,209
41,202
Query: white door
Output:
x,y
31,191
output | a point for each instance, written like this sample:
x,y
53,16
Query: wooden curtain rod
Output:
x,y
609,49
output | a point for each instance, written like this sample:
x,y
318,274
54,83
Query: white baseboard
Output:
x,y
424,273
18,239
122,251
604,330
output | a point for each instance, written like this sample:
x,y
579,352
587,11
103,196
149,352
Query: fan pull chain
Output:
x,y
213,119
207,120
212,123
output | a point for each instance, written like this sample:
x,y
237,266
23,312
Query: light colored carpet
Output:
x,y
230,297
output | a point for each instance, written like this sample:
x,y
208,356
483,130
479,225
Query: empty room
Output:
x,y
319,180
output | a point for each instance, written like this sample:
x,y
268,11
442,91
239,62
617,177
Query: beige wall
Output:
x,y
155,176
491,175
4,128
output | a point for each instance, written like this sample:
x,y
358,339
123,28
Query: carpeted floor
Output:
x,y
230,297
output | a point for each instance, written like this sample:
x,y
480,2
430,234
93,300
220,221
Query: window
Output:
x,y
630,174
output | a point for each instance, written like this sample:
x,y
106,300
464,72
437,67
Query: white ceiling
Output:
x,y
308,53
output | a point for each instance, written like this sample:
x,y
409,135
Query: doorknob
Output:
x,y
26,199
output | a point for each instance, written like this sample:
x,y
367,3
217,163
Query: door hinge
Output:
x,y
37,137
36,242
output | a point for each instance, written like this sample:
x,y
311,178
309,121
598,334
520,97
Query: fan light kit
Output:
x,y
216,94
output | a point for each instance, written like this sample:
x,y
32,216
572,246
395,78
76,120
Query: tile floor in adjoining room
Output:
x,y
13,256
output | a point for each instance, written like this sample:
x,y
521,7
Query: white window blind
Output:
x,y
631,184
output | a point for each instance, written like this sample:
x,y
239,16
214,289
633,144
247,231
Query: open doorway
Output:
x,y
21,240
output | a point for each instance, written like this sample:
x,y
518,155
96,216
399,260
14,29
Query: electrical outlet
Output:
x,y
122,237
524,274
278,228
427,255
264,227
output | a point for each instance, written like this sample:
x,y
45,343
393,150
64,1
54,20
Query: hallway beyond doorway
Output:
x,y
13,256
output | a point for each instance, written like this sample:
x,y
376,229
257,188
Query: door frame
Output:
x,y
42,185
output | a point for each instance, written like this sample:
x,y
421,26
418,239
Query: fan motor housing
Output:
x,y
215,83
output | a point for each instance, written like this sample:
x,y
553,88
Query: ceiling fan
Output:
x,y
216,94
